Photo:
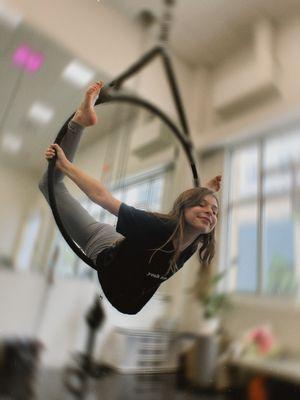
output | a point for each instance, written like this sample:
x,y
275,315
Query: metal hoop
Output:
x,y
181,134
105,97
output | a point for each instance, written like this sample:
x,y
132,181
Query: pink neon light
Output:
x,y
20,55
34,62
24,57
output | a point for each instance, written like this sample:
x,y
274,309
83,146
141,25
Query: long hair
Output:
x,y
188,198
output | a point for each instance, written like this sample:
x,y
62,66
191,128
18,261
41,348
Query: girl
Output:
x,y
145,248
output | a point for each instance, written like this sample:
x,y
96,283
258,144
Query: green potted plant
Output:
x,y
212,301
204,354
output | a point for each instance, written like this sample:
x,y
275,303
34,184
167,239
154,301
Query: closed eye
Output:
x,y
214,208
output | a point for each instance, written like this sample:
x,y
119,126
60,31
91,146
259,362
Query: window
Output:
x,y
28,245
143,191
263,216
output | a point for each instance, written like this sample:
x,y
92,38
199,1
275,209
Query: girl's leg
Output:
x,y
91,235
82,227
69,145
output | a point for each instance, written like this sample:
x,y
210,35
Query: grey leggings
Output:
x,y
91,235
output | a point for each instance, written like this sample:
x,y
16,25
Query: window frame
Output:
x,y
260,199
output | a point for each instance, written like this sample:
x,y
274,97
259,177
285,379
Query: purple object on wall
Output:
x,y
20,55
28,59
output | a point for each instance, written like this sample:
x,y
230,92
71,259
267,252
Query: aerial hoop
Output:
x,y
111,93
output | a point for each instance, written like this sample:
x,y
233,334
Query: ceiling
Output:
x,y
204,31
21,89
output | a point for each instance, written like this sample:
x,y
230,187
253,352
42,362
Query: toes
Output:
x,y
97,85
90,90
93,89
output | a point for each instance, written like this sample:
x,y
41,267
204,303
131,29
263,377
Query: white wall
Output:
x,y
17,196
284,101
19,301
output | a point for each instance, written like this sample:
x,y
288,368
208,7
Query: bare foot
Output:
x,y
214,184
85,114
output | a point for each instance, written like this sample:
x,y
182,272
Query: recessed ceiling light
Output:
x,y
9,16
78,74
41,113
11,143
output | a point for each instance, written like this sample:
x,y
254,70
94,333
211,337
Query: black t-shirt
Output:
x,y
127,275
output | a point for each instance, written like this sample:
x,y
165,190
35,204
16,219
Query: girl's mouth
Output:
x,y
207,220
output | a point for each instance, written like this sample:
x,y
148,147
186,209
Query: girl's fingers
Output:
x,y
56,147
52,150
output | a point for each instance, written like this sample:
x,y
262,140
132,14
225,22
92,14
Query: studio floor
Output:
x,y
50,386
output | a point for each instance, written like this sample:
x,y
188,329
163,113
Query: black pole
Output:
x,y
141,63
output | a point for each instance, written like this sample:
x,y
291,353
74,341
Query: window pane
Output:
x,y
156,194
277,182
281,215
297,195
144,195
120,194
279,247
137,195
298,178
244,176
28,243
243,249
282,149
108,218
82,271
65,264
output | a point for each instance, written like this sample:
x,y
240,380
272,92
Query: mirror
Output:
x,y
46,289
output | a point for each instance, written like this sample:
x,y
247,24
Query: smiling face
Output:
x,y
202,218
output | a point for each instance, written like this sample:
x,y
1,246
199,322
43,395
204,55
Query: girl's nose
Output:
x,y
210,212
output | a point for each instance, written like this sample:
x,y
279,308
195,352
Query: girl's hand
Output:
x,y
215,183
62,162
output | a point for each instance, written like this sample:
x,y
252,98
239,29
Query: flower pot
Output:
x,y
202,361
209,326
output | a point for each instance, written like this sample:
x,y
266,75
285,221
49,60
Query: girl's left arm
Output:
x,y
214,184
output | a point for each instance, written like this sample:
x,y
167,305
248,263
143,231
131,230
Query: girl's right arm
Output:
x,y
93,188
